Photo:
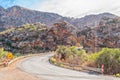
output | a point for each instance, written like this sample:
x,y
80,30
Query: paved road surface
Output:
x,y
39,66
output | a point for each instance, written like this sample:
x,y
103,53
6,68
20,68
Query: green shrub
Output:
x,y
17,54
117,75
109,57
94,56
53,60
71,54
2,53
61,51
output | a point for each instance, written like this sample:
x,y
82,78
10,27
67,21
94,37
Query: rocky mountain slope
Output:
x,y
17,16
37,37
107,34
38,33
33,38
91,20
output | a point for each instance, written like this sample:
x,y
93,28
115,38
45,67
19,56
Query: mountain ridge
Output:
x,y
16,16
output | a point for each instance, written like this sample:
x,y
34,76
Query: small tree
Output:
x,y
110,58
71,54
61,52
2,53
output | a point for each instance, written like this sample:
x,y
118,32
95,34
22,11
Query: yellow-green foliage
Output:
x,y
117,75
29,27
26,27
93,57
32,27
7,31
72,53
110,57
61,50
53,60
2,53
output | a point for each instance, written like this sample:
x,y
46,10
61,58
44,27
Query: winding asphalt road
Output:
x,y
39,66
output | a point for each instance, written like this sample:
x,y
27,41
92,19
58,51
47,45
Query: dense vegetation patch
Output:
x,y
109,57
71,54
7,55
3,54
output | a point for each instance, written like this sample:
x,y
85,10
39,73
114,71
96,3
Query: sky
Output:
x,y
69,8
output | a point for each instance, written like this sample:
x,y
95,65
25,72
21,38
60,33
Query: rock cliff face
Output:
x,y
16,16
107,34
37,37
60,35
31,38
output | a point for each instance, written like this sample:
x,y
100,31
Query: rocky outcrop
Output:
x,y
107,34
33,38
92,33
60,35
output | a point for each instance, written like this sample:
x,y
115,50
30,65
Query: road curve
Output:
x,y
39,66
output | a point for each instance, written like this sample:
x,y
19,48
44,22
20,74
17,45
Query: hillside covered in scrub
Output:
x,y
34,38
37,37
106,34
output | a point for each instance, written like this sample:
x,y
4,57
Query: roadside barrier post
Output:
x,y
6,62
102,68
